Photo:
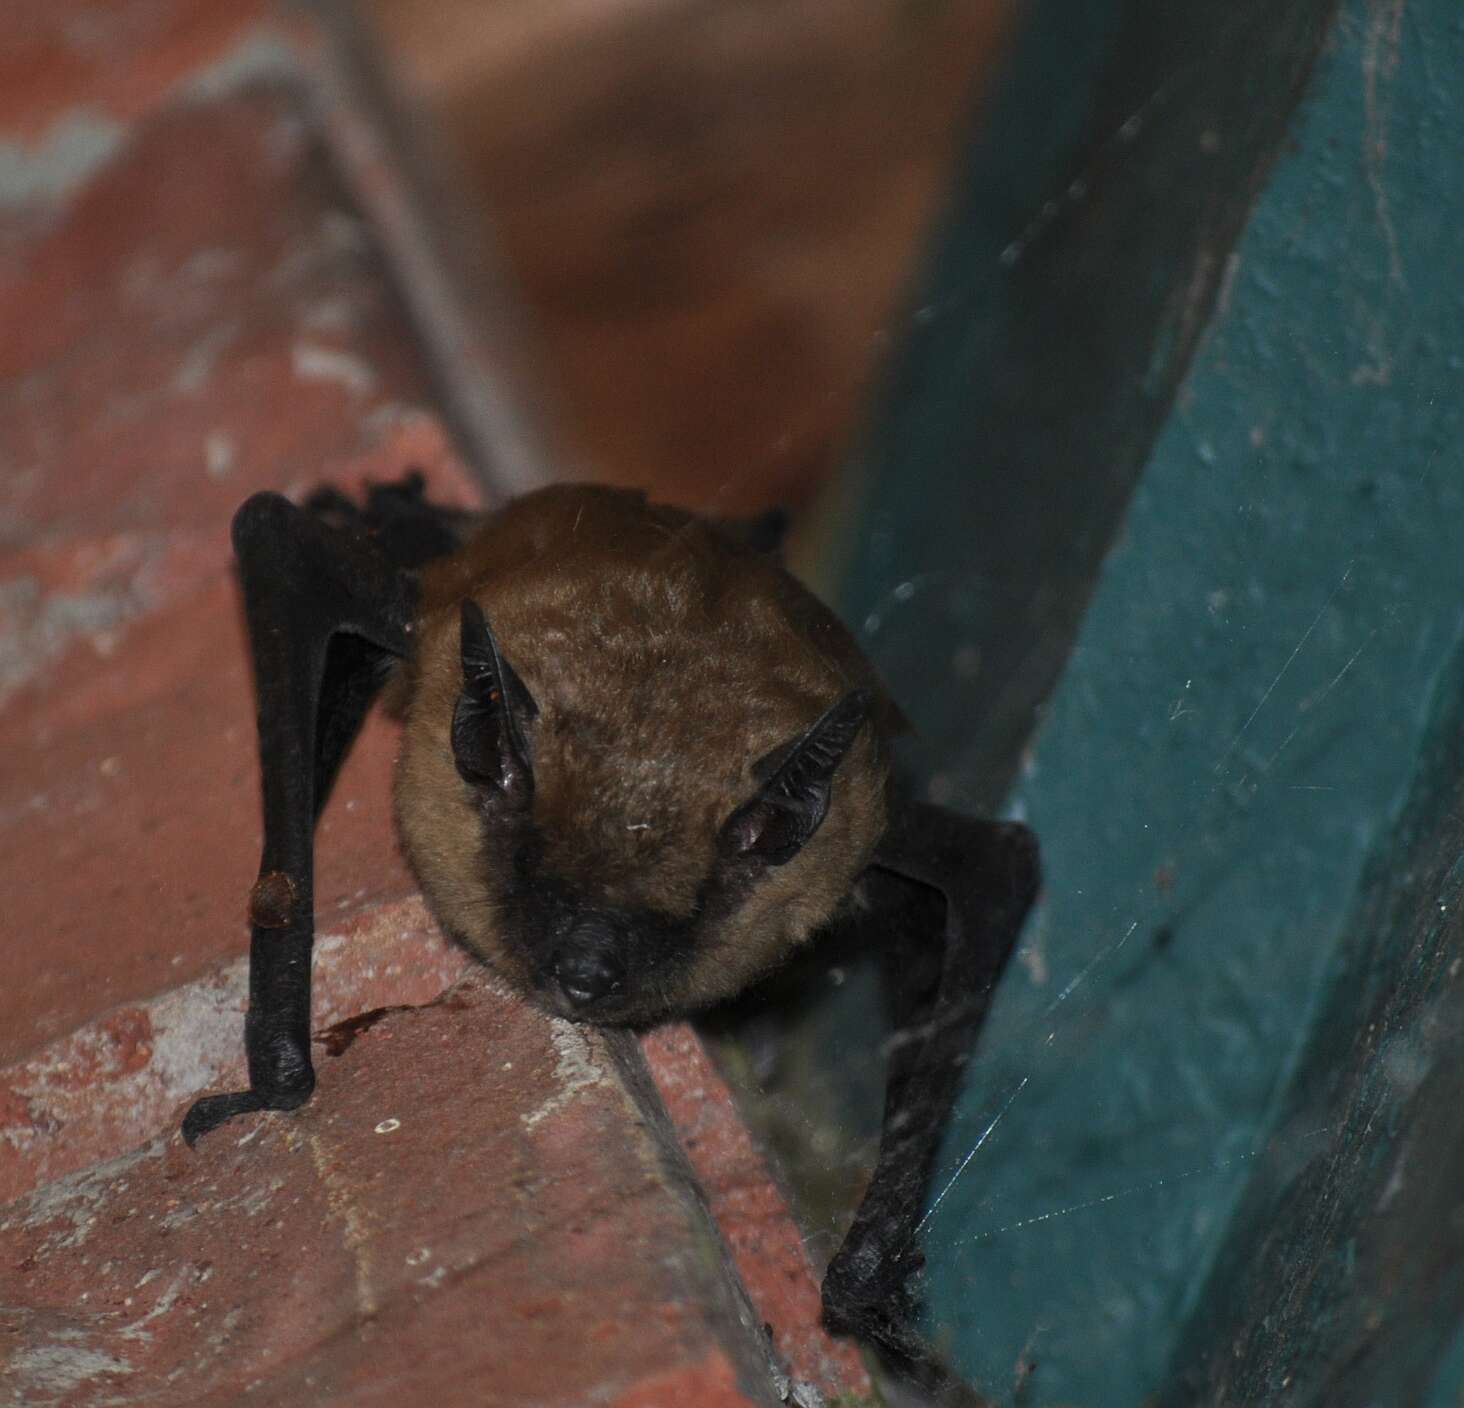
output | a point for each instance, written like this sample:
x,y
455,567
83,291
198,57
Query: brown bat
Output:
x,y
641,767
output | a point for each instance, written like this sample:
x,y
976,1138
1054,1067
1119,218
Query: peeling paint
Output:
x,y
577,1069
260,57
73,1201
199,361
80,142
39,625
138,1329
117,1080
355,1222
72,150
44,1374
251,1201
313,362
220,454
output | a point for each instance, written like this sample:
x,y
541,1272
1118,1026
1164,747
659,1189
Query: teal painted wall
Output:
x,y
1231,741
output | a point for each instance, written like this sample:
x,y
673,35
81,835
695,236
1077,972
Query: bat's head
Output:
x,y
625,848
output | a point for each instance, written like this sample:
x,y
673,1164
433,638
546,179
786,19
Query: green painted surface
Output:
x,y
1238,727
1340,1281
1076,271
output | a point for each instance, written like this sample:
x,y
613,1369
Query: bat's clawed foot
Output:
x,y
868,1293
207,1114
868,1290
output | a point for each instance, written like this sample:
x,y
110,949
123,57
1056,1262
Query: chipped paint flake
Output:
x,y
70,1205
76,145
312,362
220,454
57,1369
138,1329
117,1080
355,1222
198,363
576,1069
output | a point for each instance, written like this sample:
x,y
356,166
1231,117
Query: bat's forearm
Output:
x,y
987,875
324,608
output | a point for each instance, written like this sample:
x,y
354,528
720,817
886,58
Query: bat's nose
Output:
x,y
585,975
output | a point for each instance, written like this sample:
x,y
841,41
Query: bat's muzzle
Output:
x,y
588,968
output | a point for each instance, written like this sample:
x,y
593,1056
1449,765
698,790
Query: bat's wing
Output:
x,y
949,895
403,523
763,532
328,611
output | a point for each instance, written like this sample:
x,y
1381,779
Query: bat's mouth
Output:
x,y
591,972
597,964
560,987
616,1009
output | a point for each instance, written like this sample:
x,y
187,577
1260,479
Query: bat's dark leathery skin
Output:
x,y
305,584
988,875
640,767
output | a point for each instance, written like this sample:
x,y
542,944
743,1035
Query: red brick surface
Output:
x,y
107,58
205,315
751,1211
440,1225
185,332
132,822
479,1207
108,1085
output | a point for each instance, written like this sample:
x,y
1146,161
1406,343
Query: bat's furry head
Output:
x,y
641,764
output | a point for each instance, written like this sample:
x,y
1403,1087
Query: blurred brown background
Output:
x,y
711,210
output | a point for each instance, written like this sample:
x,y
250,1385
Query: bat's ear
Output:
x,y
488,740
776,824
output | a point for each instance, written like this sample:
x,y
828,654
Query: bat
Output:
x,y
641,767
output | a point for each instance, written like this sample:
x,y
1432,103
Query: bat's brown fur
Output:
x,y
666,659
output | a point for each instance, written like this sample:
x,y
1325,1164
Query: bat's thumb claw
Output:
x,y
213,1110
868,1287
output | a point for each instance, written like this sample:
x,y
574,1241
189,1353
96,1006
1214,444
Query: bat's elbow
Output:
x,y
260,518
